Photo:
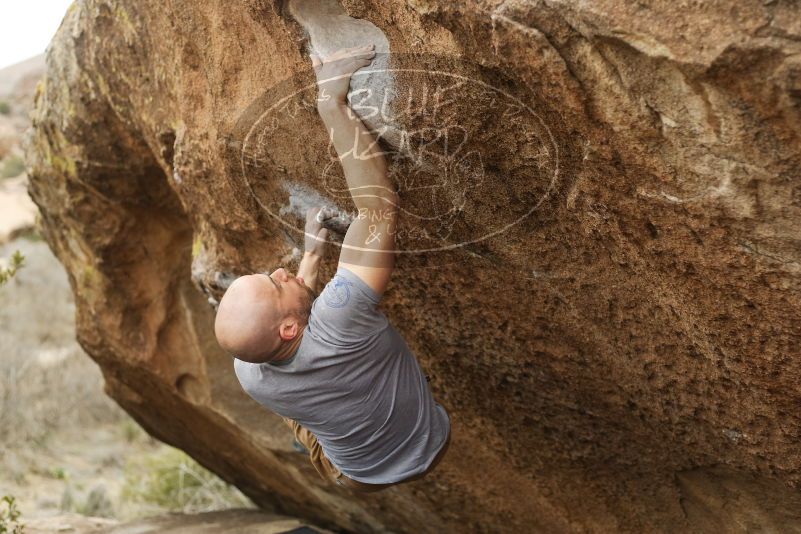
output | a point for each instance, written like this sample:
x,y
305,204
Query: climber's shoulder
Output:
x,y
375,279
347,310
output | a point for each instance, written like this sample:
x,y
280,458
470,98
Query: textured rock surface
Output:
x,y
621,355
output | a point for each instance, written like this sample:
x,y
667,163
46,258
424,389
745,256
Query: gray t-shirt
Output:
x,y
354,383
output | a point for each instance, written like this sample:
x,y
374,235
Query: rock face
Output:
x,y
600,267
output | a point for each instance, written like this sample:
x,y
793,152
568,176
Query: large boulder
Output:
x,y
599,270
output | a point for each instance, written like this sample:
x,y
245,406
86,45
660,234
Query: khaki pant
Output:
x,y
330,473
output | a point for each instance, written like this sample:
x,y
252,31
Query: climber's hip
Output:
x,y
330,473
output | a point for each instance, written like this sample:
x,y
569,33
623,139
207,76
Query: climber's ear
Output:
x,y
289,329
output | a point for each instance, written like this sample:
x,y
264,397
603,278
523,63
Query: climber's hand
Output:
x,y
333,72
315,233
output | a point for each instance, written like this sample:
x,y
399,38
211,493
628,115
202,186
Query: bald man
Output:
x,y
333,367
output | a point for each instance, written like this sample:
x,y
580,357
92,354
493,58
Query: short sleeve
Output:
x,y
244,373
347,310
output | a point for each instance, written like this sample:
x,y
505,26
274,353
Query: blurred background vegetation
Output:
x,y
64,445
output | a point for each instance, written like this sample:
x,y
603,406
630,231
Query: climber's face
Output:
x,y
289,294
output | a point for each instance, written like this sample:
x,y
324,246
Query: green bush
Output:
x,y
171,479
14,265
5,108
12,166
59,473
9,516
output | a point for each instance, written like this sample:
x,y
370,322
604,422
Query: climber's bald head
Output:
x,y
247,320
259,313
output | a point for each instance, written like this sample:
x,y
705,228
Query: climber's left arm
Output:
x,y
314,248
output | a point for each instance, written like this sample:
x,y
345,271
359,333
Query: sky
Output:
x,y
26,27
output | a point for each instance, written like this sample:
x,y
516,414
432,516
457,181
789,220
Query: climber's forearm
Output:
x,y
361,157
309,269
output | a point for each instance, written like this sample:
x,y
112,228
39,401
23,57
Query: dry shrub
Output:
x,y
170,479
12,167
47,383
7,142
